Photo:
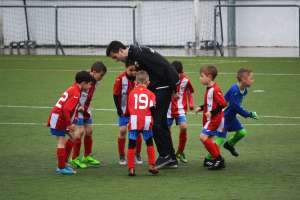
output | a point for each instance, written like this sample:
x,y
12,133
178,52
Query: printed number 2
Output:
x,y
62,99
140,101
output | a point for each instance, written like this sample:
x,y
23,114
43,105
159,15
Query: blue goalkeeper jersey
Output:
x,y
234,98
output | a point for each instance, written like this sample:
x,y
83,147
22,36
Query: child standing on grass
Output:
x,y
62,115
213,115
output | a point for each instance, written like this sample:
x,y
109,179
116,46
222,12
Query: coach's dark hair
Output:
x,y
98,67
241,72
209,70
114,47
178,66
83,76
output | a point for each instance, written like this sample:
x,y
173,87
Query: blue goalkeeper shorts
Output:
x,y
232,125
133,134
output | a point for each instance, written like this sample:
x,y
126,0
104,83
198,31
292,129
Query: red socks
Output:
x,y
76,148
69,146
88,143
61,157
182,141
212,148
130,158
139,144
121,146
151,155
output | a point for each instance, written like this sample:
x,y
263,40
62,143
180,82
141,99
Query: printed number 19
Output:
x,y
140,101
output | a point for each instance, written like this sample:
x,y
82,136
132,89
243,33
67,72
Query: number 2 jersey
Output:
x,y
62,114
140,101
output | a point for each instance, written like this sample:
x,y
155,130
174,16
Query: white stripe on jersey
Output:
x,y
169,110
53,120
209,100
182,88
133,122
221,126
147,123
124,93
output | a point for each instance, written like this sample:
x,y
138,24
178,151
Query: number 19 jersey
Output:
x,y
140,100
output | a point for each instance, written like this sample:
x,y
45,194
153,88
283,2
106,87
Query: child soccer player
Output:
x,y
178,108
83,121
234,97
140,103
124,83
213,116
61,117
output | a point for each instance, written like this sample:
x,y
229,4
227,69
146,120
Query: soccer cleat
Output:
x,y
138,159
181,157
172,165
207,162
66,171
131,172
90,160
153,170
218,163
163,161
78,164
122,160
231,149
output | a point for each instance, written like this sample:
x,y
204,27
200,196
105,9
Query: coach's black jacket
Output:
x,y
161,72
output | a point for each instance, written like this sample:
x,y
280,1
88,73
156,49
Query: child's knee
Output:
x,y
203,137
149,141
131,144
242,132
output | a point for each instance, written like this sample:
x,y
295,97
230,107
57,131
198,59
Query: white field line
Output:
x,y
113,110
111,124
119,71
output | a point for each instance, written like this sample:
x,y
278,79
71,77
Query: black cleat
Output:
x,y
163,161
131,172
172,165
231,149
218,163
207,162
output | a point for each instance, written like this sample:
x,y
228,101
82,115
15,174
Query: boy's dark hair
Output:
x,y
83,76
98,67
178,66
209,70
241,72
114,47
142,77
129,63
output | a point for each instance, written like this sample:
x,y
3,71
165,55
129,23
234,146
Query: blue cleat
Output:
x,y
65,171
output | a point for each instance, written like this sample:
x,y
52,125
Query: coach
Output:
x,y
163,80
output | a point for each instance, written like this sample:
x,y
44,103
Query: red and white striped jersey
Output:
x,y
85,101
122,88
179,106
140,101
212,98
62,114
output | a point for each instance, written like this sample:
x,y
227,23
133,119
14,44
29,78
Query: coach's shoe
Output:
x,y
131,172
66,171
78,164
153,170
218,163
122,160
138,159
231,149
181,156
163,161
90,160
207,162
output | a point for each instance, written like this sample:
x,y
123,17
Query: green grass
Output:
x,y
268,167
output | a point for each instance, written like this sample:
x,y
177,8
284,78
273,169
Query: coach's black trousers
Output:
x,y
162,135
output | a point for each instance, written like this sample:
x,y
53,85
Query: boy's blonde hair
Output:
x,y
209,70
142,77
242,72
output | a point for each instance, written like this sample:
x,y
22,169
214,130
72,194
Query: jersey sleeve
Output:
x,y
117,86
152,102
235,105
190,87
219,98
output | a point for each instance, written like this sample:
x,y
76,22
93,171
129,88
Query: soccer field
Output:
x,y
267,168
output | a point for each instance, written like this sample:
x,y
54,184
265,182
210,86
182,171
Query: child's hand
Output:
x,y
199,109
175,95
208,114
253,115
80,109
